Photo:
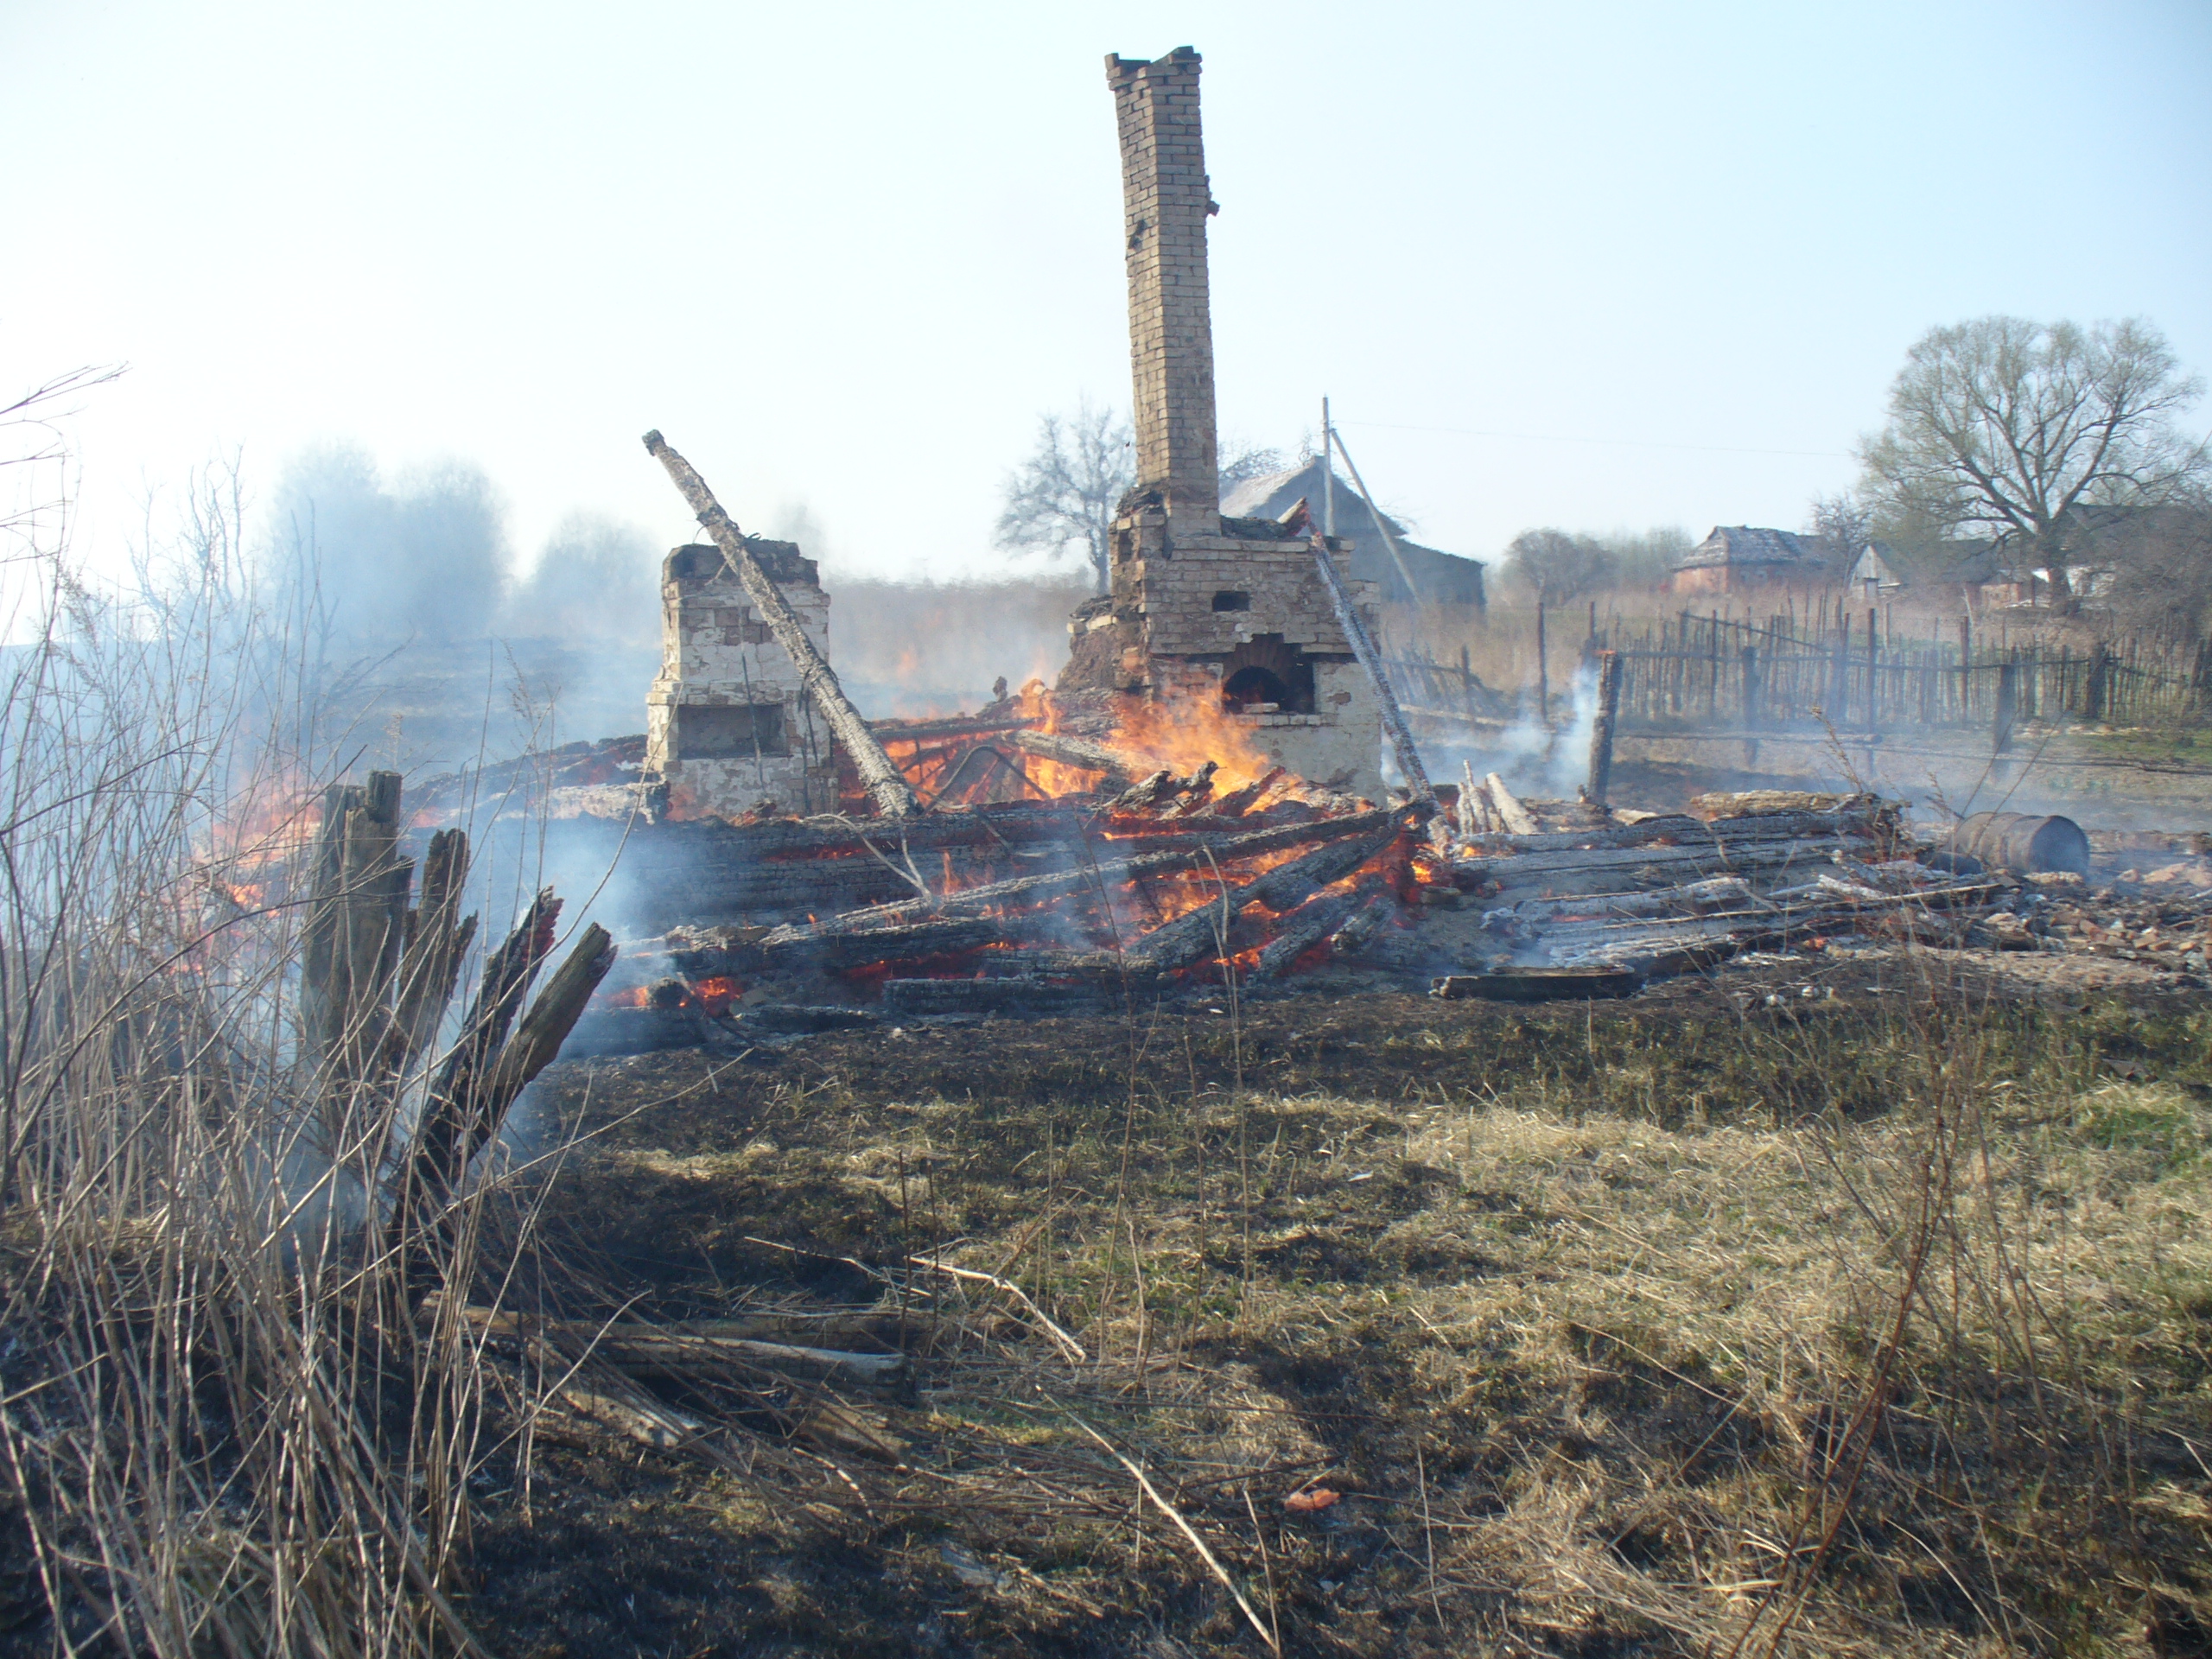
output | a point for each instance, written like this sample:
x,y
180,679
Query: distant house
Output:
x,y
1736,556
1438,577
1874,576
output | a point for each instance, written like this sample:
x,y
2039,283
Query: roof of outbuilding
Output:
x,y
1438,576
1873,565
1749,544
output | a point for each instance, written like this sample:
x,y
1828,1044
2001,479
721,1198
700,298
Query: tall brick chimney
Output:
x,y
1165,204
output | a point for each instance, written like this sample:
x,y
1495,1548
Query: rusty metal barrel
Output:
x,y
2022,842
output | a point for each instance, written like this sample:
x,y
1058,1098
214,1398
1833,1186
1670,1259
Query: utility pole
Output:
x,y
1328,475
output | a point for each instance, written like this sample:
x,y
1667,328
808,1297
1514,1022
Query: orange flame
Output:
x,y
1183,735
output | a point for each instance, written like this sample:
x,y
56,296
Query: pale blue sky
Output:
x,y
844,255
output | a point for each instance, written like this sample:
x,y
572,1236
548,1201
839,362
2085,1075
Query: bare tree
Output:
x,y
2012,427
1065,494
1241,460
1556,566
2161,565
1845,524
30,439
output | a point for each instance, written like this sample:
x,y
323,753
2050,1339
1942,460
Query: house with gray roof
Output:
x,y
1438,577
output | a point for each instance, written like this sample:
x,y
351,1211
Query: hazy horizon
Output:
x,y
1599,266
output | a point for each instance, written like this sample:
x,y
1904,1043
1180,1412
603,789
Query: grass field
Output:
x,y
1807,1310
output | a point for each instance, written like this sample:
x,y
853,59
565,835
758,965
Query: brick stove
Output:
x,y
1204,614
727,724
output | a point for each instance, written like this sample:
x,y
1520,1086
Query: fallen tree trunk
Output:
x,y
886,786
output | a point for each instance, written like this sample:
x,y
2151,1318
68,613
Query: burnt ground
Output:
x,y
1568,1305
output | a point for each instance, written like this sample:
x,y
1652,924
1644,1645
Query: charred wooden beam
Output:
x,y
1680,829
1513,816
918,731
1226,850
1238,802
1649,868
1306,927
886,786
1394,719
1197,934
1073,752
858,947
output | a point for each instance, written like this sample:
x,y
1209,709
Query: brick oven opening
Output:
x,y
1266,670
1232,601
712,732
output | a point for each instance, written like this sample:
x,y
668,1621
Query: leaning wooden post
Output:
x,y
2008,703
886,786
1601,733
1394,719
1381,525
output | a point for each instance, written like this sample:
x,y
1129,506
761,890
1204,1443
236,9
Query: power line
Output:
x,y
1620,443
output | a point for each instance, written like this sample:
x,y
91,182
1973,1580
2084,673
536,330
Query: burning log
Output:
x,y
1073,752
1238,802
1352,938
1191,937
886,786
1308,927
919,731
1031,888
1163,787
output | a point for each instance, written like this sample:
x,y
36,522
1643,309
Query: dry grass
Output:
x,y
1601,1347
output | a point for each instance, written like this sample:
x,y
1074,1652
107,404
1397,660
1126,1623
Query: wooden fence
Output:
x,y
1691,672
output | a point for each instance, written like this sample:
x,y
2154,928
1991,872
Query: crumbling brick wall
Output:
x,y
727,722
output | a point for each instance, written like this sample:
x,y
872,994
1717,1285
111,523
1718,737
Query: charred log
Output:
x,y
1033,888
1073,752
1191,937
1306,927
